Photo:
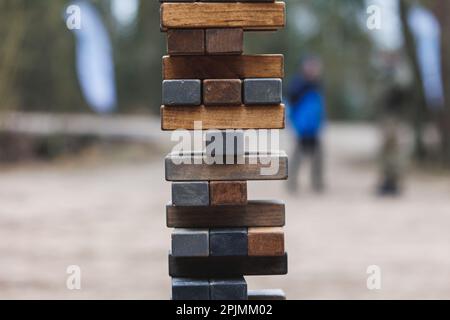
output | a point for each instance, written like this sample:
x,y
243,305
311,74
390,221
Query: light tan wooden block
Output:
x,y
266,242
223,117
249,16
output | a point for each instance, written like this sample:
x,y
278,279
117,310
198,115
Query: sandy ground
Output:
x,y
108,218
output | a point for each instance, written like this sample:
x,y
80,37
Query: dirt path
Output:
x,y
110,221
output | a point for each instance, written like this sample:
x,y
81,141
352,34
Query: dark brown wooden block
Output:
x,y
214,267
254,214
222,92
223,117
195,167
223,67
224,41
265,241
185,41
250,16
228,193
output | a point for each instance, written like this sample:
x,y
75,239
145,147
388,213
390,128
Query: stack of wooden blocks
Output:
x,y
219,235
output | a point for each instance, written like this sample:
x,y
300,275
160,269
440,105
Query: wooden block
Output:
x,y
262,91
250,16
228,192
190,194
254,214
228,242
224,41
228,289
265,242
223,67
185,41
218,267
182,92
190,289
190,243
194,167
222,92
225,143
267,294
223,117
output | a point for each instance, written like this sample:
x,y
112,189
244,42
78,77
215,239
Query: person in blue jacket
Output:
x,y
306,113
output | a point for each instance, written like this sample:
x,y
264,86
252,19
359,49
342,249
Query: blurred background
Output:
x,y
81,151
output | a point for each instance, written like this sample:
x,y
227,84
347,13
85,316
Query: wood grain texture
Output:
x,y
228,193
186,41
254,214
215,267
223,117
223,67
194,167
265,241
222,92
249,16
224,41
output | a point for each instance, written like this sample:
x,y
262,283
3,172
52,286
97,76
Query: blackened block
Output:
x,y
190,194
262,91
190,243
228,289
182,92
228,242
225,143
224,267
190,289
267,294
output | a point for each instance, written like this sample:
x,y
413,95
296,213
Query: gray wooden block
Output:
x,y
225,143
262,91
228,242
190,289
190,243
190,194
182,92
228,289
267,294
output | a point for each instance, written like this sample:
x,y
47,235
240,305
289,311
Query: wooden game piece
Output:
x,y
262,91
224,41
190,289
223,117
265,241
250,16
218,267
223,67
228,289
222,92
182,92
190,243
194,167
254,214
185,41
228,192
190,194
225,143
267,294
228,242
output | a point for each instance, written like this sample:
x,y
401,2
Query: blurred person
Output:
x,y
306,113
393,103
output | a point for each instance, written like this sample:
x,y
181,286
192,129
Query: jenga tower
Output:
x,y
209,84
